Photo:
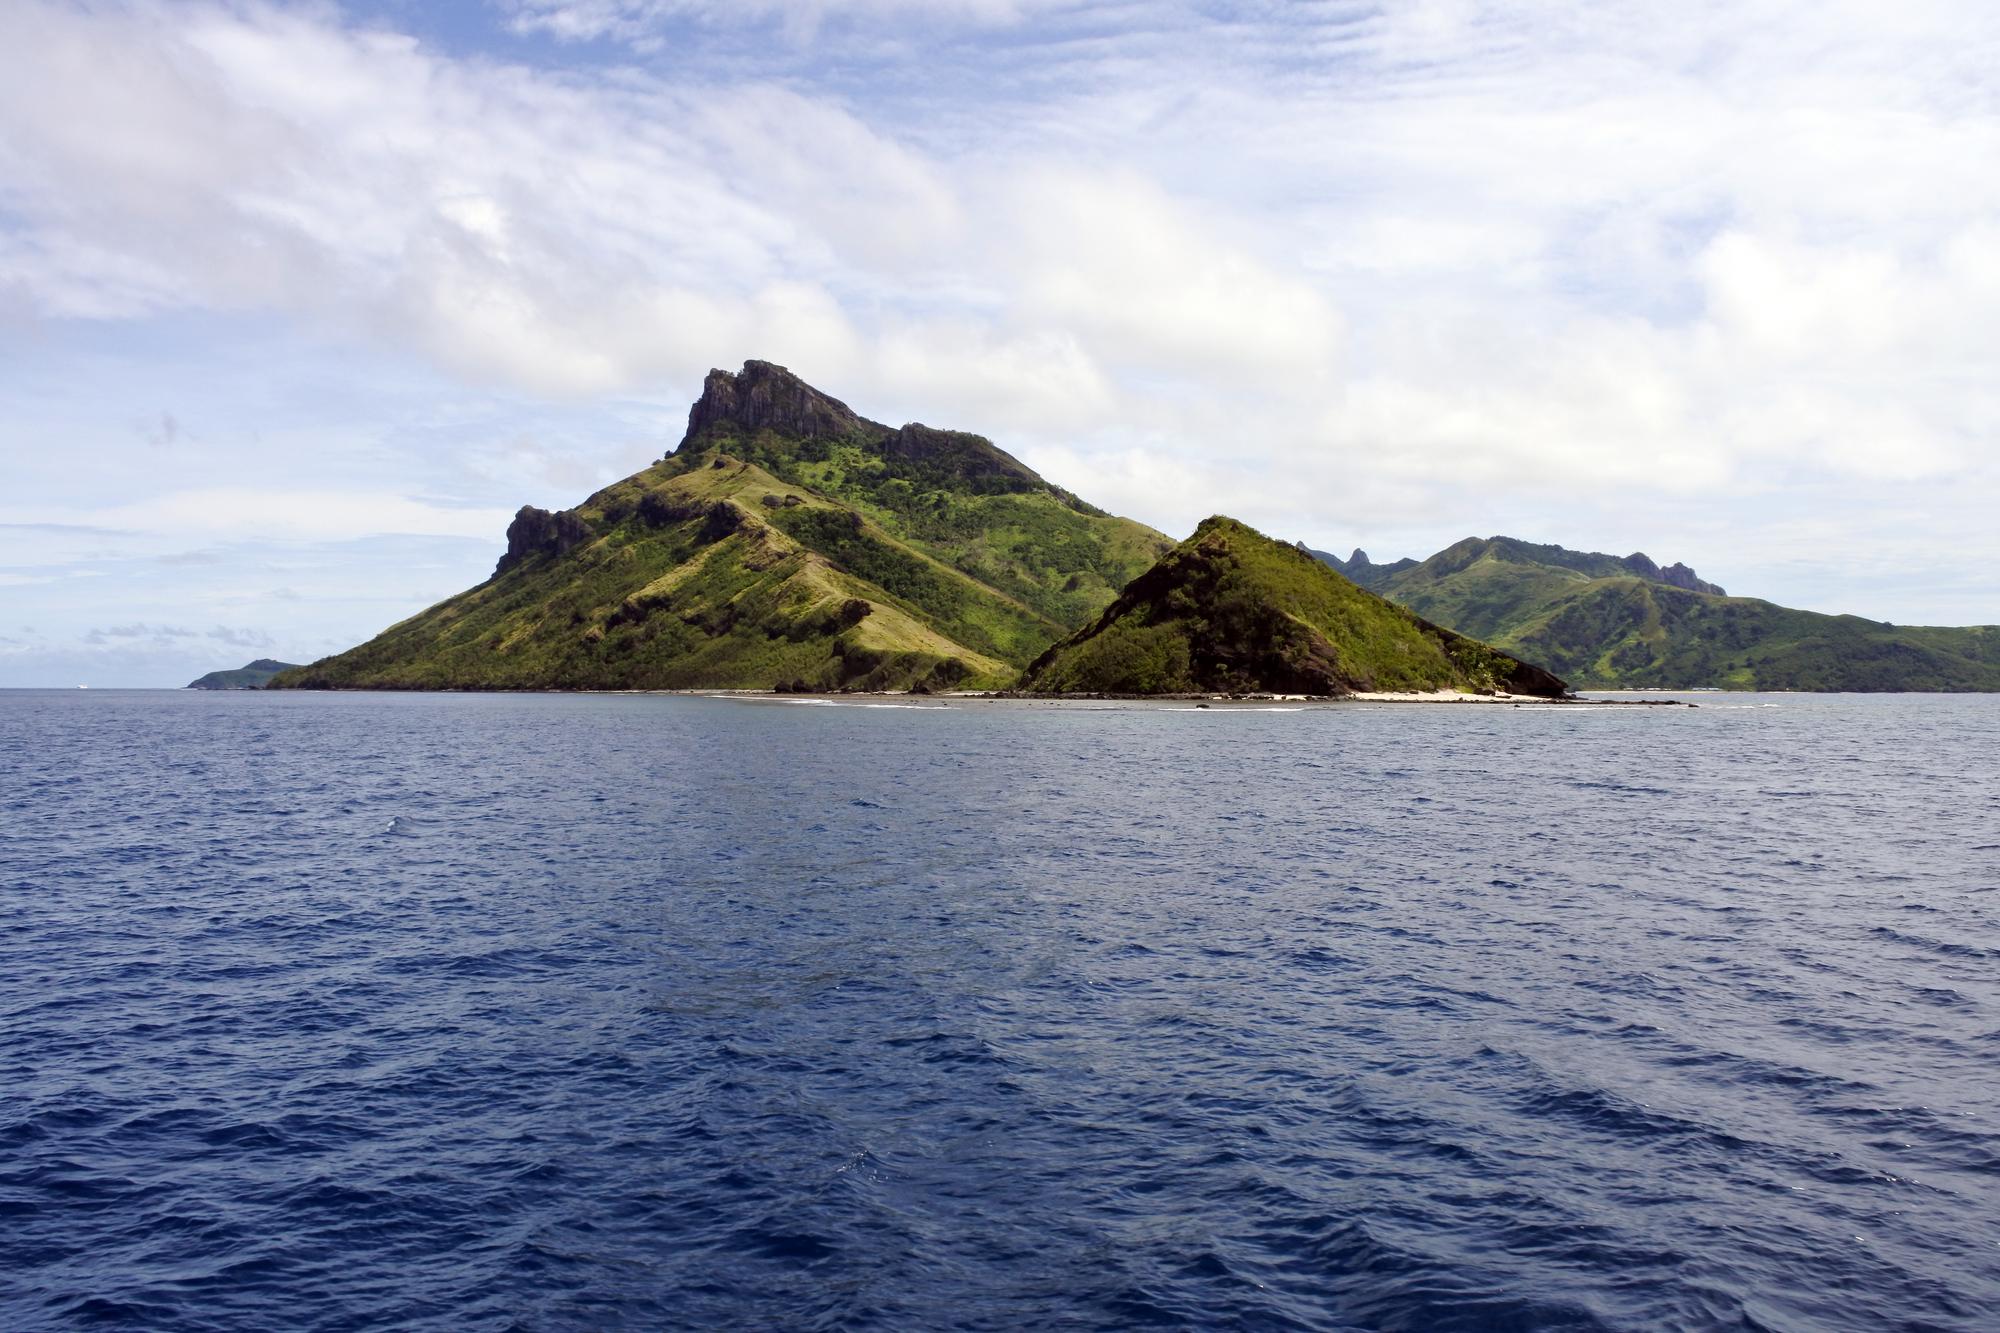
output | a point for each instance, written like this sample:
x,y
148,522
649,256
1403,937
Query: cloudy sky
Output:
x,y
299,302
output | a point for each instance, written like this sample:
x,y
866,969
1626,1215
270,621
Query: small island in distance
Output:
x,y
788,543
251,676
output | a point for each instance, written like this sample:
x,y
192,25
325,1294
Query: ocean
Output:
x,y
628,1011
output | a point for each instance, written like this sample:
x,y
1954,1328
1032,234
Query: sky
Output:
x,y
298,303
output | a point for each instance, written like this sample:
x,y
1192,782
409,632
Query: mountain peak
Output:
x,y
768,415
1676,575
1642,564
763,396
1359,567
1679,575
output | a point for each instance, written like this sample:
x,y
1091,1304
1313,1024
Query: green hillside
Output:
x,y
1231,611
786,543
1605,621
953,495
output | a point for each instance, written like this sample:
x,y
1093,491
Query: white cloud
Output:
x,y
641,21
1350,268
248,514
1117,260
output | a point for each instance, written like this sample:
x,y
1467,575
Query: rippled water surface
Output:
x,y
325,1012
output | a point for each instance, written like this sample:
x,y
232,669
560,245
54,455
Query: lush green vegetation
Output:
x,y
957,498
789,542
1231,611
967,611
685,582
1035,546
1588,618
786,542
1629,632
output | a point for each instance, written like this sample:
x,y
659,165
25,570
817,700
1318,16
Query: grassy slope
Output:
x,y
689,580
788,540
1033,542
1231,610
1485,597
1628,631
1635,633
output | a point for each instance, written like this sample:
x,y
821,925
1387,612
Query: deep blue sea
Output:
x,y
567,1012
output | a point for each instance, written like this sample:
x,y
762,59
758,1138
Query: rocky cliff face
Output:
x,y
765,399
927,453
1675,575
1680,576
762,396
538,532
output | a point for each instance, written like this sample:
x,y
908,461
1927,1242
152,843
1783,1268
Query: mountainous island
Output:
x,y
1604,621
789,543
253,676
786,543
1231,610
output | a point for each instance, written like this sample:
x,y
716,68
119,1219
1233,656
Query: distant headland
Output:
x,y
251,676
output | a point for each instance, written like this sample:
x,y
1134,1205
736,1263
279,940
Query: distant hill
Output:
x,y
1604,621
1231,610
787,542
252,677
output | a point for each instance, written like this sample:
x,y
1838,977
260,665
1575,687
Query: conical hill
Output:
x,y
1230,610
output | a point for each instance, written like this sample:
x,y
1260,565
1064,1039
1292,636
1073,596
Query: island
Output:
x,y
251,676
788,543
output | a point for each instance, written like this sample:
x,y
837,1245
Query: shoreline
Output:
x,y
942,697
1292,701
